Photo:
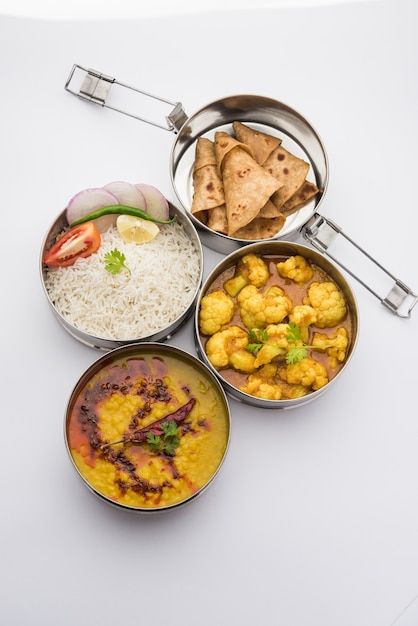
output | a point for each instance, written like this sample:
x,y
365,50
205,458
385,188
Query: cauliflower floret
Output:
x,y
335,346
262,384
251,269
228,348
303,315
276,344
307,372
290,392
259,309
296,268
329,303
255,269
216,309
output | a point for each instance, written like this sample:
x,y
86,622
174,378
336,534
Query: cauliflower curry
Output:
x,y
277,328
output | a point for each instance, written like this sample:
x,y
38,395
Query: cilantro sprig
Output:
x,y
298,350
115,261
257,338
166,443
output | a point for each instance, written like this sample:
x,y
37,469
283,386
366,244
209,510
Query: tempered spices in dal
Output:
x,y
147,431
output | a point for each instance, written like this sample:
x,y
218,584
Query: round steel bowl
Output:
x,y
102,343
263,114
138,349
283,248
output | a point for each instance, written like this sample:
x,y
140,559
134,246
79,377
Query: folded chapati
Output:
x,y
224,143
208,188
247,187
261,228
261,144
300,198
289,170
217,219
269,210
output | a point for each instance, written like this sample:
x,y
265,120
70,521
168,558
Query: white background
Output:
x,y
313,519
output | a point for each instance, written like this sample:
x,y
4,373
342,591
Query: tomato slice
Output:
x,y
78,242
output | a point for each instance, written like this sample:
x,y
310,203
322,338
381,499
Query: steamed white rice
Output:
x,y
163,280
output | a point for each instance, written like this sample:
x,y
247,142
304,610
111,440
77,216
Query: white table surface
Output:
x,y
313,519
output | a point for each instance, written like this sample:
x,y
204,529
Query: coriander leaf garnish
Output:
x,y
171,437
296,354
294,333
258,338
154,442
168,441
254,347
115,261
298,351
169,428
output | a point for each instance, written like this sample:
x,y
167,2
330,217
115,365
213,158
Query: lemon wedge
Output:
x,y
136,230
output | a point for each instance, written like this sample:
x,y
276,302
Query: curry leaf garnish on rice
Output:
x,y
115,261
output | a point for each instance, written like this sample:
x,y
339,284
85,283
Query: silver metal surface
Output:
x,y
102,343
129,351
282,248
96,87
298,136
263,114
322,232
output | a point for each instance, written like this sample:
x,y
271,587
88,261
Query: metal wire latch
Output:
x,y
96,86
321,232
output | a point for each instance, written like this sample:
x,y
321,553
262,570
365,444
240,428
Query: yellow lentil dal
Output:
x,y
126,398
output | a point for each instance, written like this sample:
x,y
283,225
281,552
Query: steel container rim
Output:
x,y
147,346
212,235
236,393
103,343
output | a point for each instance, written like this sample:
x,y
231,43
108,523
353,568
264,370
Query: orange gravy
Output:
x,y
296,292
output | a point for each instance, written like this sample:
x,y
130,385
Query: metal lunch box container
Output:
x,y
282,248
108,344
136,349
264,114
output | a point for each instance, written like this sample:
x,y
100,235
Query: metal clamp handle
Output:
x,y
95,88
321,232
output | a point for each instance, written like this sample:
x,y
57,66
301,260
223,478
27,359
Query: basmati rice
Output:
x,y
162,282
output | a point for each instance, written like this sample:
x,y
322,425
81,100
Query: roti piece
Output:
x,y
247,188
261,228
224,143
202,216
289,171
208,188
261,144
205,153
300,198
217,219
269,210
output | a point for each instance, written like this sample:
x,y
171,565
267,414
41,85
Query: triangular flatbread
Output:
x,y
269,210
300,198
289,170
261,144
208,188
224,143
261,228
217,219
205,153
247,187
